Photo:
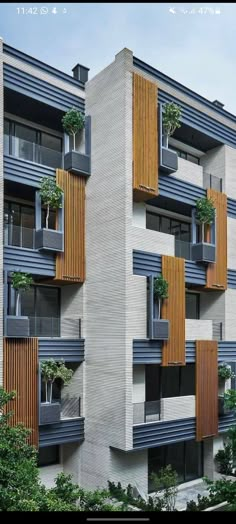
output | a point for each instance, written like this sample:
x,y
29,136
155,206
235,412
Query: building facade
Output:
x,y
139,398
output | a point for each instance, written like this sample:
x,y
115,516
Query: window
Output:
x,y
19,223
171,226
32,144
186,458
48,456
186,156
192,305
42,305
167,382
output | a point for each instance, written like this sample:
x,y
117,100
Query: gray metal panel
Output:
x,y
25,172
147,351
40,90
164,432
232,278
71,350
63,432
146,264
29,261
177,189
226,421
182,89
77,163
231,207
7,49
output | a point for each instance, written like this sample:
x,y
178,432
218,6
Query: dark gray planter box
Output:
x,y
222,410
169,160
50,413
49,239
17,327
77,163
203,252
160,329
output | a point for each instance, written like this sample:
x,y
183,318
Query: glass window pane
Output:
x,y
28,303
185,232
152,381
25,133
175,229
24,142
170,382
153,221
51,142
175,457
187,380
156,461
193,460
48,455
192,305
6,137
47,302
192,159
165,225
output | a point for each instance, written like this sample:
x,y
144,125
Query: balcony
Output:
x,y
20,252
66,409
32,152
183,249
63,432
144,412
196,329
43,327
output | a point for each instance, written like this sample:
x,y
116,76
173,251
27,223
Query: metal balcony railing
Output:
x,y
70,407
217,330
146,412
55,327
33,152
183,249
212,182
18,236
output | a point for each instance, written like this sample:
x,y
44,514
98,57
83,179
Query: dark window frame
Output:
x,y
39,132
160,381
197,295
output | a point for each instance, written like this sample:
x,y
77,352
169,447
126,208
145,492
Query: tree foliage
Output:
x,y
51,370
171,118
51,195
205,210
21,281
225,372
73,122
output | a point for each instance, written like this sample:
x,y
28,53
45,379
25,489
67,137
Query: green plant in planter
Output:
x,y
205,212
160,291
73,122
21,282
225,372
171,119
224,459
51,370
230,399
51,195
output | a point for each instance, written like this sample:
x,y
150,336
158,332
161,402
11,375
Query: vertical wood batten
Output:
x,y
173,309
217,273
145,139
206,389
20,373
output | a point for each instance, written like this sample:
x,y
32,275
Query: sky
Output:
x,y
194,43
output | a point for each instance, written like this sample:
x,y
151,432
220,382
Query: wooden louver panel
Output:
x,y
145,139
206,388
70,265
217,273
173,309
20,373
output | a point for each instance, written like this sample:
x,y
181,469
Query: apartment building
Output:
x,y
139,399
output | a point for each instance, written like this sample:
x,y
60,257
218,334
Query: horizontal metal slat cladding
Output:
x,y
29,261
227,350
11,51
226,421
147,351
232,278
145,263
65,431
181,88
38,89
163,432
71,350
25,172
172,187
231,207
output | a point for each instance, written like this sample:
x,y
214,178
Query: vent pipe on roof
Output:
x,y
80,73
218,104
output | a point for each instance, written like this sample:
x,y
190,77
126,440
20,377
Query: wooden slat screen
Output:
x,y
173,309
145,139
70,265
217,273
206,388
20,373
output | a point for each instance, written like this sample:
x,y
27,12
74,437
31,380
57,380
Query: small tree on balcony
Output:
x,y
205,212
51,370
171,119
21,282
160,291
73,122
51,195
